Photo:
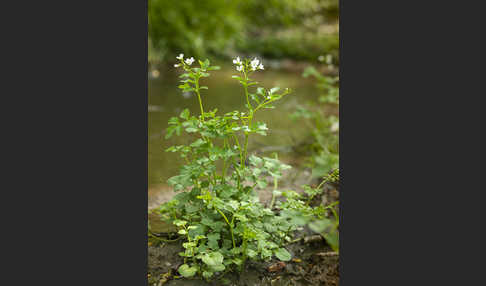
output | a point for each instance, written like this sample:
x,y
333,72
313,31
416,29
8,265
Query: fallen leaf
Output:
x,y
277,266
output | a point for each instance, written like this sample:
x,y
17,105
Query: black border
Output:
x,y
76,159
76,166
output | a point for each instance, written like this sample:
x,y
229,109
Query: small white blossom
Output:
x,y
155,73
263,127
335,127
320,58
190,61
245,128
239,68
328,59
254,63
237,61
177,65
260,67
180,57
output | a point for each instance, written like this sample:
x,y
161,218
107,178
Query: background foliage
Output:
x,y
298,29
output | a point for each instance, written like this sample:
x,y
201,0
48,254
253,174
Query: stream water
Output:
x,y
225,93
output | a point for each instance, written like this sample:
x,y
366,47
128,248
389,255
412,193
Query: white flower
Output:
x,y
190,61
263,127
328,59
254,63
260,67
335,127
180,57
177,65
155,73
320,58
239,68
237,61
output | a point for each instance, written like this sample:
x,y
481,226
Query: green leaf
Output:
x,y
333,240
214,236
282,254
191,208
265,253
237,261
185,114
207,274
187,271
277,193
262,184
251,253
198,143
213,259
179,222
274,89
218,267
200,230
255,161
213,240
189,245
320,226
233,204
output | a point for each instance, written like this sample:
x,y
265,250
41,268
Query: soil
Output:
x,y
313,263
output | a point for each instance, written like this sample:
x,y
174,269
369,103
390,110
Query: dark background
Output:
x,y
409,133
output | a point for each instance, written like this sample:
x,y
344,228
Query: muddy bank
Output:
x,y
313,263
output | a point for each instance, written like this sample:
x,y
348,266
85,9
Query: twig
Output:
x,y
312,238
327,254
162,239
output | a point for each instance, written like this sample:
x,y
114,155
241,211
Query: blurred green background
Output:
x,y
273,29
288,35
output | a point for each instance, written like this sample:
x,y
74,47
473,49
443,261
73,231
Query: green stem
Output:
x,y
245,245
243,158
245,152
250,118
275,186
239,148
245,86
229,224
199,98
331,205
223,175
237,173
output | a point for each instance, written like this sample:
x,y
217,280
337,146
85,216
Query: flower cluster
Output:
x,y
244,66
187,61
327,58
255,64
